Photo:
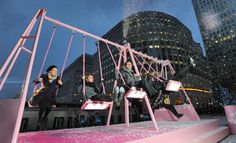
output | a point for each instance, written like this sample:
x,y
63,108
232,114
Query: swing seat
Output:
x,y
99,105
173,85
96,105
138,94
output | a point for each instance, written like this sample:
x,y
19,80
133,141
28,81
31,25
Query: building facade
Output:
x,y
217,23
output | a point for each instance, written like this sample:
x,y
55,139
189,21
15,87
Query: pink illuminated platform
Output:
x,y
178,132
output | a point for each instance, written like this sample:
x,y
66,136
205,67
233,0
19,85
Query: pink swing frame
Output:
x,y
20,45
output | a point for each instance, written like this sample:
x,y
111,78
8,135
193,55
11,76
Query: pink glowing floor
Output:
x,y
102,134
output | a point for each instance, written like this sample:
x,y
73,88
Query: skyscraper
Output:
x,y
217,23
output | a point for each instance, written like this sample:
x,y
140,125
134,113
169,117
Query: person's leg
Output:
x,y
152,93
122,92
41,110
116,93
47,111
95,97
156,100
140,109
106,98
40,118
101,97
147,87
119,96
44,120
180,74
172,109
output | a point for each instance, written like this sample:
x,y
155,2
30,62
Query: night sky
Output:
x,y
94,16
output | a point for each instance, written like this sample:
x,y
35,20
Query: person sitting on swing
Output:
x,y
163,100
92,91
45,98
133,81
158,101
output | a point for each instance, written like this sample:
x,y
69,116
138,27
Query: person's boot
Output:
x,y
121,96
117,105
39,125
180,115
43,125
156,100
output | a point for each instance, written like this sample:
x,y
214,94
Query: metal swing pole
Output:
x,y
46,54
118,68
67,53
27,79
100,67
20,42
84,45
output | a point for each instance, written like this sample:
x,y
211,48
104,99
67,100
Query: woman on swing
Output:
x,y
92,91
45,98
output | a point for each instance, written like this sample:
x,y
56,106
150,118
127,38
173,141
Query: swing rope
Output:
x,y
118,68
100,67
109,50
84,45
151,68
144,60
67,53
46,54
45,57
145,69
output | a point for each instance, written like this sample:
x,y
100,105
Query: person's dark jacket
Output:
x,y
47,95
91,89
129,77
